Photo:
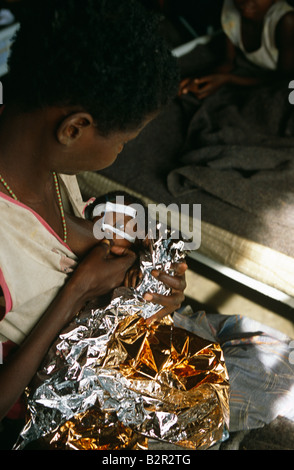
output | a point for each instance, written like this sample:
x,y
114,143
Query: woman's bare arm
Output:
x,y
97,275
94,277
285,44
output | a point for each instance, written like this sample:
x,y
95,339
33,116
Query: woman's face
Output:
x,y
254,9
93,151
110,147
99,152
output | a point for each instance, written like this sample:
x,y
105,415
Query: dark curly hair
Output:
x,y
104,56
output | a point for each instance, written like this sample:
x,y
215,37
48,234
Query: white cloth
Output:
x,y
34,261
267,55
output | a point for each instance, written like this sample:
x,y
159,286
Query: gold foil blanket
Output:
x,y
111,381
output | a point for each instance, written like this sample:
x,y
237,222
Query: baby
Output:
x,y
119,220
122,222
263,31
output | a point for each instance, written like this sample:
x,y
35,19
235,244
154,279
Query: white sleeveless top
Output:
x,y
267,55
34,261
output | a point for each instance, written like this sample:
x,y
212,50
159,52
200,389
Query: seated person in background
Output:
x,y
264,31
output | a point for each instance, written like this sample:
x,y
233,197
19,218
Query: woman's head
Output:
x,y
104,57
254,9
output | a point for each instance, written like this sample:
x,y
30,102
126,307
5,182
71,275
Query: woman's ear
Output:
x,y
72,127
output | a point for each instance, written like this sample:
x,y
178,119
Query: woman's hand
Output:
x,y
105,268
172,302
102,270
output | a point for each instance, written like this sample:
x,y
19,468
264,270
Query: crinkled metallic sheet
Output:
x,y
111,381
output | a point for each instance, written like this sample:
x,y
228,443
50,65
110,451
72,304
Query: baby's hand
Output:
x,y
133,277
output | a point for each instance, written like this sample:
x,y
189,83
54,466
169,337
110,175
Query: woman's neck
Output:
x,y
251,33
23,162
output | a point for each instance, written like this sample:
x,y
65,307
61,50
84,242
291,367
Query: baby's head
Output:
x,y
115,218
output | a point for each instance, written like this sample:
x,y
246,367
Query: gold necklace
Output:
x,y
2,180
60,207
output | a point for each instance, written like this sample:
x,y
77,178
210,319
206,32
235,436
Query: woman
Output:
x,y
263,31
85,76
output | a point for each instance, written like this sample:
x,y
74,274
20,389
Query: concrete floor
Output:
x,y
224,301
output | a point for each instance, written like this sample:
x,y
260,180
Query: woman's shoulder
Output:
x,y
280,12
287,20
230,22
285,30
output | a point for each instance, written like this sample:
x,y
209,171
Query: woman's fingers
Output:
x,y
103,269
177,281
184,85
173,301
159,315
106,246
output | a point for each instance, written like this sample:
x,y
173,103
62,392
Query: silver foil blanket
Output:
x,y
110,381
